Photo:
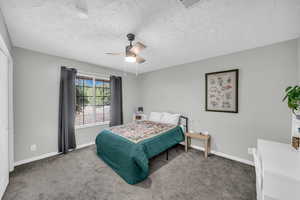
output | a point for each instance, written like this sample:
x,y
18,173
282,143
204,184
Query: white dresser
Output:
x,y
280,171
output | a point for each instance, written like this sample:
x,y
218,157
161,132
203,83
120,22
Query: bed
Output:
x,y
128,148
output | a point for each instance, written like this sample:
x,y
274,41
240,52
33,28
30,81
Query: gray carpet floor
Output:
x,y
82,175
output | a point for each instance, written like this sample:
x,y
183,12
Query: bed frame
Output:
x,y
183,121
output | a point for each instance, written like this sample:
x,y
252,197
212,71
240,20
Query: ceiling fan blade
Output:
x,y
140,60
114,54
137,48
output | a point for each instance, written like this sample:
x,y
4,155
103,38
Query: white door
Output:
x,y
4,163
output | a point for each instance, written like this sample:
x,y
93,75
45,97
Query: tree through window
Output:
x,y
92,100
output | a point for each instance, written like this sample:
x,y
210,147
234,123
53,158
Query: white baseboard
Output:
x,y
224,155
85,145
28,160
47,155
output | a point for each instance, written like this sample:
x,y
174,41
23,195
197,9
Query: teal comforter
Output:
x,y
131,160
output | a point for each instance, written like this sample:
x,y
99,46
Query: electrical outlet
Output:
x,y
33,147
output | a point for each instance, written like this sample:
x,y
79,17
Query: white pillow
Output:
x,y
155,116
170,118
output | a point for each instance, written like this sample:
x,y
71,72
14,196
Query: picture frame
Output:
x,y
221,91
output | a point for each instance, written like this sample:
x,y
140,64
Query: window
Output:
x,y
92,101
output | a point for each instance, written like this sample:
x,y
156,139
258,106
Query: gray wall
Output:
x,y
264,74
36,89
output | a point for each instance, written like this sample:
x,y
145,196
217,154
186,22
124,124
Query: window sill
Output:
x,y
92,125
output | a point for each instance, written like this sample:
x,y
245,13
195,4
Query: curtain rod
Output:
x,y
98,74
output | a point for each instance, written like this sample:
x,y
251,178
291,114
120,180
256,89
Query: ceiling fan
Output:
x,y
132,51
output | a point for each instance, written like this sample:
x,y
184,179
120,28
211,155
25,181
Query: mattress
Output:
x,y
128,148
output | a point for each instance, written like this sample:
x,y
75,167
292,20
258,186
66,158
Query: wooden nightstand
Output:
x,y
199,136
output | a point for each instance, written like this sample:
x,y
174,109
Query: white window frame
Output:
x,y
94,77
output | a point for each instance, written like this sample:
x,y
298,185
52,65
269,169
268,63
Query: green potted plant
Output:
x,y
293,99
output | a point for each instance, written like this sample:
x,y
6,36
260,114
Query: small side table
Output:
x,y
199,136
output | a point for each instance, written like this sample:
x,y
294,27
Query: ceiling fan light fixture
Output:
x,y
132,51
130,59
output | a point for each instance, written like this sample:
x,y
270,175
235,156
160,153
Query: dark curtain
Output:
x,y
67,95
116,107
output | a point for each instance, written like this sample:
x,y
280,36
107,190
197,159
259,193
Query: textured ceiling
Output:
x,y
173,33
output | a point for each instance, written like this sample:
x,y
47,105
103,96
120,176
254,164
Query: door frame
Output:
x,y
4,49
